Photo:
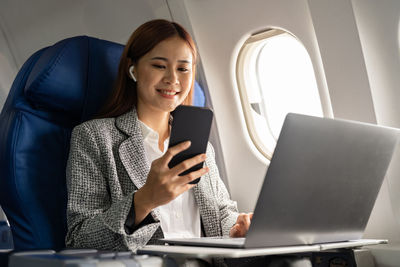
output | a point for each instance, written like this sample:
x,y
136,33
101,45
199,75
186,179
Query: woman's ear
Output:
x,y
131,68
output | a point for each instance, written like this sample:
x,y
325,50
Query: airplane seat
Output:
x,y
57,88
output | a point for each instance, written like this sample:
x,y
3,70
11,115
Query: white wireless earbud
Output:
x,y
131,73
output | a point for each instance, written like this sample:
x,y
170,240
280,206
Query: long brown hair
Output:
x,y
124,95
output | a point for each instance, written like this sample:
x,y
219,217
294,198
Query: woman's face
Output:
x,y
164,75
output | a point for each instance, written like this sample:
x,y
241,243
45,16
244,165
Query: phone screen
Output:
x,y
190,124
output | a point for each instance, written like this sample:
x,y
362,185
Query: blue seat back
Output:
x,y
57,88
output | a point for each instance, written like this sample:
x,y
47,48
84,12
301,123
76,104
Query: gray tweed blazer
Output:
x,y
106,166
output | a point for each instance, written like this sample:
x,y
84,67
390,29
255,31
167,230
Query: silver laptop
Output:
x,y
320,187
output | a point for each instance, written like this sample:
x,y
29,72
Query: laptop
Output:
x,y
320,187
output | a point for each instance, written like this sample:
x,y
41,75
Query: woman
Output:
x,y
121,193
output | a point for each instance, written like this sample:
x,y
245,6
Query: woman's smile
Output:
x,y
170,94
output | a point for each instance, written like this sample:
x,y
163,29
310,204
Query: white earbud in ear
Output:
x,y
131,73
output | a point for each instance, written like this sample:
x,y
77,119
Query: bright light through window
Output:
x,y
286,79
275,77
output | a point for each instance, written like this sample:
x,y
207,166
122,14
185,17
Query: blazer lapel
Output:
x,y
208,208
131,150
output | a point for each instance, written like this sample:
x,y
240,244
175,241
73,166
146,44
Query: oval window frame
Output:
x,y
246,52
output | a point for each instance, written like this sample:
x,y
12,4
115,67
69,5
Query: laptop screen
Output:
x,y
322,182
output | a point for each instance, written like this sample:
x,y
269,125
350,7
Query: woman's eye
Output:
x,y
183,69
158,66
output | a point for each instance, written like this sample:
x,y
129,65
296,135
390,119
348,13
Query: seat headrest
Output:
x,y
70,71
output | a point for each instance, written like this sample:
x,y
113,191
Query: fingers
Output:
x,y
234,232
243,222
238,231
182,182
184,165
187,186
242,225
192,176
187,164
166,181
172,151
244,219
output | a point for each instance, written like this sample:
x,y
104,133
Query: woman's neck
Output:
x,y
158,121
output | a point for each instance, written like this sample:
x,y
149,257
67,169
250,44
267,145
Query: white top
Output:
x,y
181,216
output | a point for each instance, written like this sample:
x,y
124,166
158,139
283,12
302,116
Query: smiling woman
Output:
x,y
165,73
121,193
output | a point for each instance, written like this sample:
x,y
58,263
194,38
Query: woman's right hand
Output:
x,y
164,184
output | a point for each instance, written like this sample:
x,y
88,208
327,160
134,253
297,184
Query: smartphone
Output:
x,y
190,124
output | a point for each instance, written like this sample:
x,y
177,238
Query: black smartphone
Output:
x,y
190,124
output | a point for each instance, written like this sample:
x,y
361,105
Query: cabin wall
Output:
x,y
343,61
2,215
45,22
378,25
8,68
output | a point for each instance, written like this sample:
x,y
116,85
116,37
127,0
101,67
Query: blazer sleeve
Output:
x,y
93,219
227,207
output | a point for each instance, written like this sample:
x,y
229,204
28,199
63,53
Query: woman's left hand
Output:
x,y
242,225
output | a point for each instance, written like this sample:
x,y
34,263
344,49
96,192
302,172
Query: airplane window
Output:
x,y
275,76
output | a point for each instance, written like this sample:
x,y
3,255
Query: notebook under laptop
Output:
x,y
320,187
